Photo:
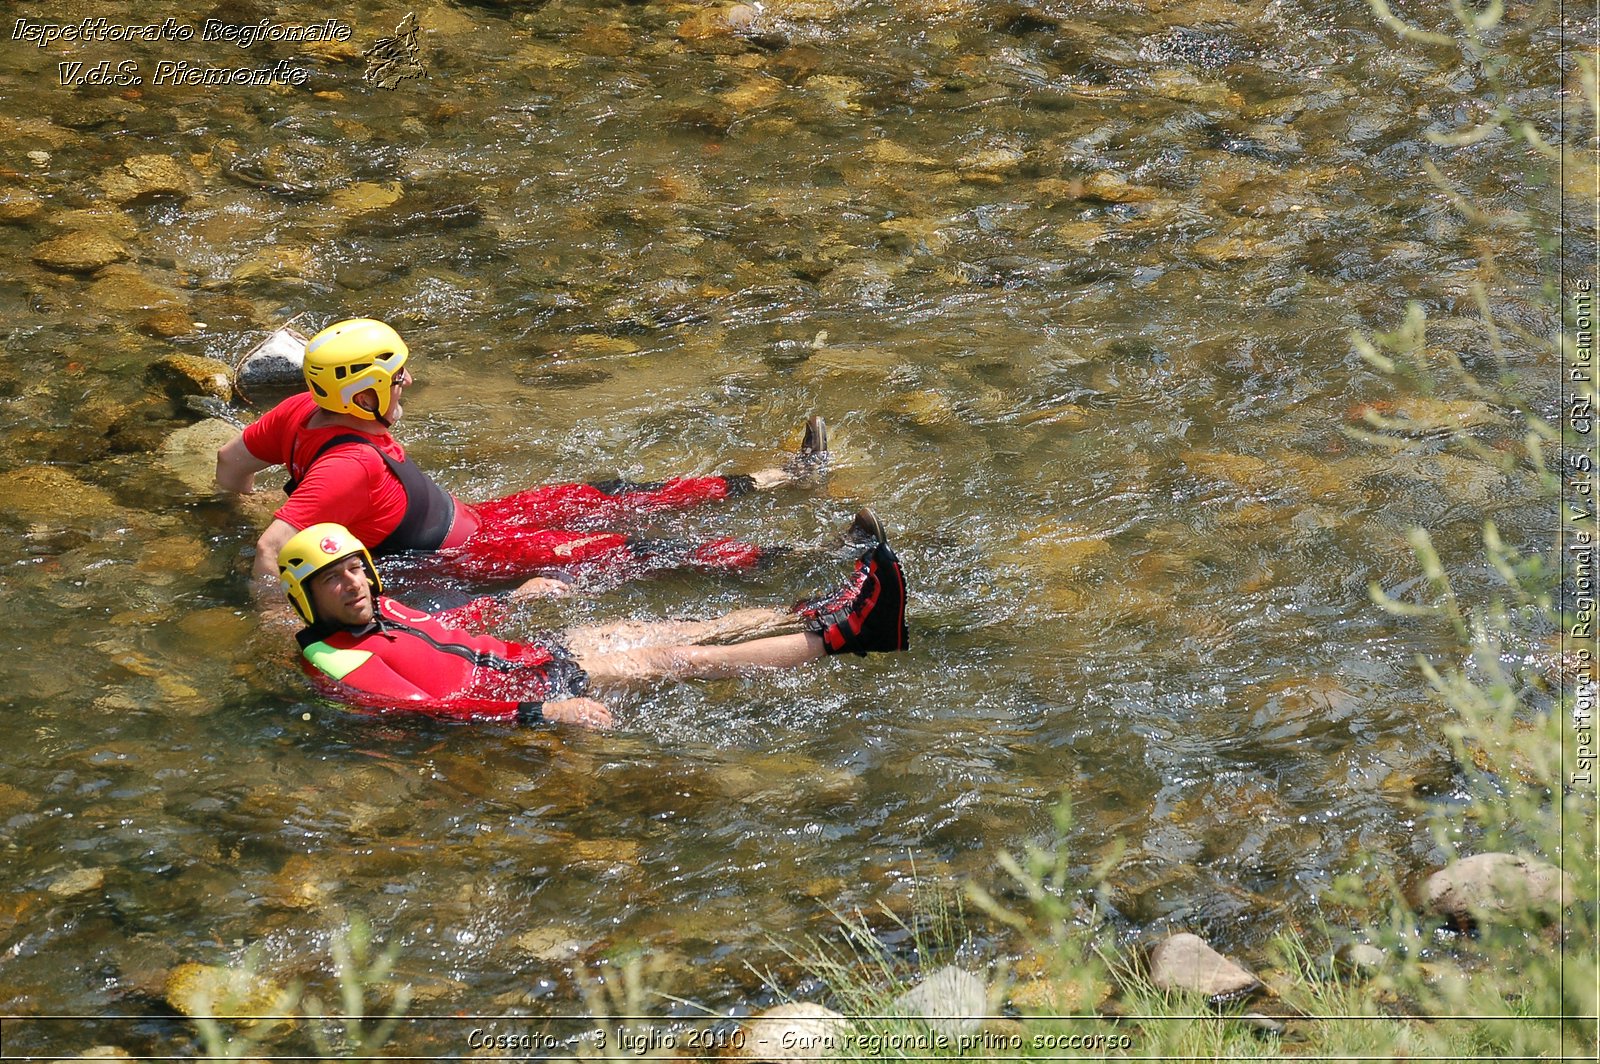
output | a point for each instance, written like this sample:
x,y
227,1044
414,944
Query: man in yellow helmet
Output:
x,y
372,651
345,467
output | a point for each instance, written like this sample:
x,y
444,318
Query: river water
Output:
x,y
1074,286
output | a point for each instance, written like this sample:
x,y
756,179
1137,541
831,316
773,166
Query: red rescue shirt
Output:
x,y
350,485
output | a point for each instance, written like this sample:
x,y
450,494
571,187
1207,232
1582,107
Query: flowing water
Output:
x,y
1073,285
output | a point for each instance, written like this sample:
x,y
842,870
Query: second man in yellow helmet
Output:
x,y
345,467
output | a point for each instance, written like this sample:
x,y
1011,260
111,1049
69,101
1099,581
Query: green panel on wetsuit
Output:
x,y
336,663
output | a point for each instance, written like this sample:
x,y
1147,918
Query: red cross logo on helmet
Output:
x,y
330,545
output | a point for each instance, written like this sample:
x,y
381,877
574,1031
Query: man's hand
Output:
x,y
265,568
540,587
584,711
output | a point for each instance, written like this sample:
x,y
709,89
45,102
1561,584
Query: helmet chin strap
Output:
x,y
379,418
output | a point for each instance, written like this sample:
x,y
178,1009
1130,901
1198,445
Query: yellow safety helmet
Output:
x,y
310,551
347,358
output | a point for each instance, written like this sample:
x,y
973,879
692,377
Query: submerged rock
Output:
x,y
123,288
708,23
190,453
48,495
167,324
146,177
18,205
365,196
276,264
212,990
1113,188
1185,963
553,945
79,881
79,252
1421,416
1497,887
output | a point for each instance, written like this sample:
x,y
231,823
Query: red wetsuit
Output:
x,y
427,663
365,482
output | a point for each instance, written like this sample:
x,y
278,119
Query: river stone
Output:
x,y
169,556
836,90
991,162
1359,959
79,252
184,375
797,1031
167,324
1185,963
419,212
18,205
925,407
146,177
753,94
950,1000
608,855
1263,1025
79,881
1494,887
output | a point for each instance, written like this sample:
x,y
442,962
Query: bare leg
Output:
x,y
767,479
634,635
705,663
805,466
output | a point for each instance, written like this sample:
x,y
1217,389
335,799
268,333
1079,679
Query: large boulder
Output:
x,y
1496,888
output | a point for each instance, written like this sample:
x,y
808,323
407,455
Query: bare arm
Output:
x,y
237,467
265,569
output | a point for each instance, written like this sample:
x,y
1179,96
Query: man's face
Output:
x,y
342,594
369,399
